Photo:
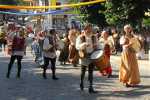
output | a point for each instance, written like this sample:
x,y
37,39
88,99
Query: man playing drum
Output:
x,y
87,43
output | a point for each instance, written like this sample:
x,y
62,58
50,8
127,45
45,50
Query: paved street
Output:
x,y
31,85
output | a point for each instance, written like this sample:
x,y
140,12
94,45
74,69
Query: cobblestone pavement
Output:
x,y
31,85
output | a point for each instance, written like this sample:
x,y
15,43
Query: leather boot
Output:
x,y
18,75
83,70
44,76
91,90
53,75
81,86
7,75
55,78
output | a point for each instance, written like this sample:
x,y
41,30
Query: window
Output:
x,y
58,4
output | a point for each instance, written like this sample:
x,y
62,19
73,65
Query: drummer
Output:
x,y
129,71
87,43
104,40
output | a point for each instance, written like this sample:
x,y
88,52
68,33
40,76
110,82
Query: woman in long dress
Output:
x,y
73,57
129,71
63,57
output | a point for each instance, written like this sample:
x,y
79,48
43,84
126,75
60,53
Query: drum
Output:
x,y
81,54
100,59
137,45
111,42
99,45
60,45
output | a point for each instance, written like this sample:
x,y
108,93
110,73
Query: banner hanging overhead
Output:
x,y
47,7
38,14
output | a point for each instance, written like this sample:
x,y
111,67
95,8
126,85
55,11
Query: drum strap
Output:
x,y
82,37
93,39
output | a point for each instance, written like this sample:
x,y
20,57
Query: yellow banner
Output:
x,y
53,3
47,7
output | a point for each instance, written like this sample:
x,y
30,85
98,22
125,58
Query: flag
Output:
x,y
53,2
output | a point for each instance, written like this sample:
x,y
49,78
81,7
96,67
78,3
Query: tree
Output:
x,y
21,3
12,2
126,11
6,2
91,13
146,21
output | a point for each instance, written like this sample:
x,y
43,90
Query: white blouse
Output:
x,y
72,40
28,41
122,41
46,47
88,39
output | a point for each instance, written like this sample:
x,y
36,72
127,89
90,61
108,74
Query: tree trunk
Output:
x,y
140,24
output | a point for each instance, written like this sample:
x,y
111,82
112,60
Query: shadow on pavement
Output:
x,y
32,86
130,94
145,76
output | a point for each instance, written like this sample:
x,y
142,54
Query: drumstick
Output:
x,y
108,41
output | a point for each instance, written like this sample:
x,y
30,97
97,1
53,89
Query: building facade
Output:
x,y
58,20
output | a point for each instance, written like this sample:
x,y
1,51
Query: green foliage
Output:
x,y
22,3
91,13
146,21
113,12
12,2
6,2
126,11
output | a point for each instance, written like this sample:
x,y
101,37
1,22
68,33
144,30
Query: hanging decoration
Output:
x,y
38,14
47,7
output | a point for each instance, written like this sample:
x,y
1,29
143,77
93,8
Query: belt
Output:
x,y
87,54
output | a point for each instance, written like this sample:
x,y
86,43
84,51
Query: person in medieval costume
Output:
x,y
104,40
73,57
129,71
63,57
17,52
87,43
49,53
